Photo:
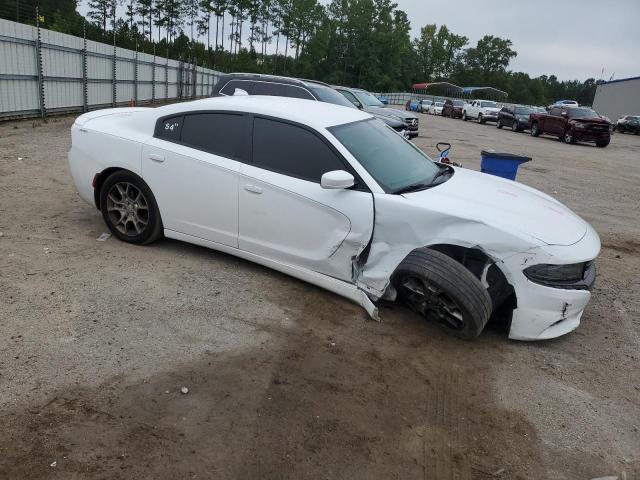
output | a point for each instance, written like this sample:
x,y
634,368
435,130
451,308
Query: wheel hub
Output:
x,y
432,302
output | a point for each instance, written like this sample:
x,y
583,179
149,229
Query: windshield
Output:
x,y
582,113
392,161
489,104
439,104
458,103
523,110
368,99
329,95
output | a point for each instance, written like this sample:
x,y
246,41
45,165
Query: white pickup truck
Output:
x,y
481,110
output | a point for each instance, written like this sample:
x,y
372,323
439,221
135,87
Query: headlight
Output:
x,y
550,274
579,125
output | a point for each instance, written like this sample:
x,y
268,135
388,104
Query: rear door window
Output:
x,y
230,87
292,150
217,133
555,111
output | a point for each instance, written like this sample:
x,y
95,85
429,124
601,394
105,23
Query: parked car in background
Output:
x,y
331,196
568,103
436,108
421,106
383,99
424,105
452,108
481,110
366,101
628,123
413,105
572,124
515,117
272,85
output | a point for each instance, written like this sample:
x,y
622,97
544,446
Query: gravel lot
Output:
x,y
287,381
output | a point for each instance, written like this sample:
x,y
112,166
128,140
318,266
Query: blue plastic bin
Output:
x,y
503,165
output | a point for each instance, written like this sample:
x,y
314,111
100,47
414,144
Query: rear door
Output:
x,y
192,165
284,213
553,121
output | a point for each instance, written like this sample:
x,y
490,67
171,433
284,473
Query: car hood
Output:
x,y
388,111
505,204
594,121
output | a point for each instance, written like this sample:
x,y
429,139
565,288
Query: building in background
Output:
x,y
618,97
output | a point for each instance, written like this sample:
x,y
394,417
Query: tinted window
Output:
x,y
391,160
489,104
368,99
524,110
218,133
292,150
458,103
169,129
280,90
555,111
582,113
329,95
230,87
351,97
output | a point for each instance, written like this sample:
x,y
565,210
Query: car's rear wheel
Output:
x,y
443,290
534,129
603,143
129,208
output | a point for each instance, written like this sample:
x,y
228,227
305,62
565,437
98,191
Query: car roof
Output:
x,y
275,78
308,112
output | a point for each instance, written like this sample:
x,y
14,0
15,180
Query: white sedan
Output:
x,y
332,196
436,108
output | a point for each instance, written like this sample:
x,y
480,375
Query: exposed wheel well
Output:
x,y
483,268
98,181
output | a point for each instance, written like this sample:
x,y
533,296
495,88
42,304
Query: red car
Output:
x,y
572,124
452,108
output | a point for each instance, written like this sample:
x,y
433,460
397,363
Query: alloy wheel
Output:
x,y
432,302
128,209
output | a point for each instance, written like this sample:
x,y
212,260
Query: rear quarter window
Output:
x,y
169,128
221,134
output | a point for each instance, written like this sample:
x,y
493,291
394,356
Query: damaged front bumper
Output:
x,y
544,311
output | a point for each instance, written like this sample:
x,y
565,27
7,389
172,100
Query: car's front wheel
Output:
x,y
480,119
603,143
129,208
443,290
499,123
569,138
514,126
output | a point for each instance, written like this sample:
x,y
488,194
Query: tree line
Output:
x,y
363,43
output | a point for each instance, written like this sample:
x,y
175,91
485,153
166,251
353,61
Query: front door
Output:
x,y
284,213
192,167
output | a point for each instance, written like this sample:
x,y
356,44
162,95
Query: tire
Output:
x,y
514,126
480,120
603,143
124,193
441,289
568,138
464,116
534,129
499,123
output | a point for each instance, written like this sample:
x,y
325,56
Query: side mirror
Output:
x,y
238,92
359,105
336,180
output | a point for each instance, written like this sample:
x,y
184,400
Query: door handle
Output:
x,y
253,189
156,158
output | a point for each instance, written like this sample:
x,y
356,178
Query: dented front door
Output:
x,y
284,213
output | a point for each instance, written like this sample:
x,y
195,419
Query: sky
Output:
x,y
572,39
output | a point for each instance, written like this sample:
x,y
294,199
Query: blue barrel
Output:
x,y
503,165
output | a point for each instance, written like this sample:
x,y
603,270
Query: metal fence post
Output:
x,y
114,73
166,78
85,86
153,76
194,81
135,76
43,110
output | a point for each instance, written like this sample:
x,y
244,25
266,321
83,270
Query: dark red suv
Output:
x,y
452,108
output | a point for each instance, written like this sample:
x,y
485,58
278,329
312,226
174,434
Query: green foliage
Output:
x,y
364,43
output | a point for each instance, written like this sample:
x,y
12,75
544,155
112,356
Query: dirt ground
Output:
x,y
287,381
